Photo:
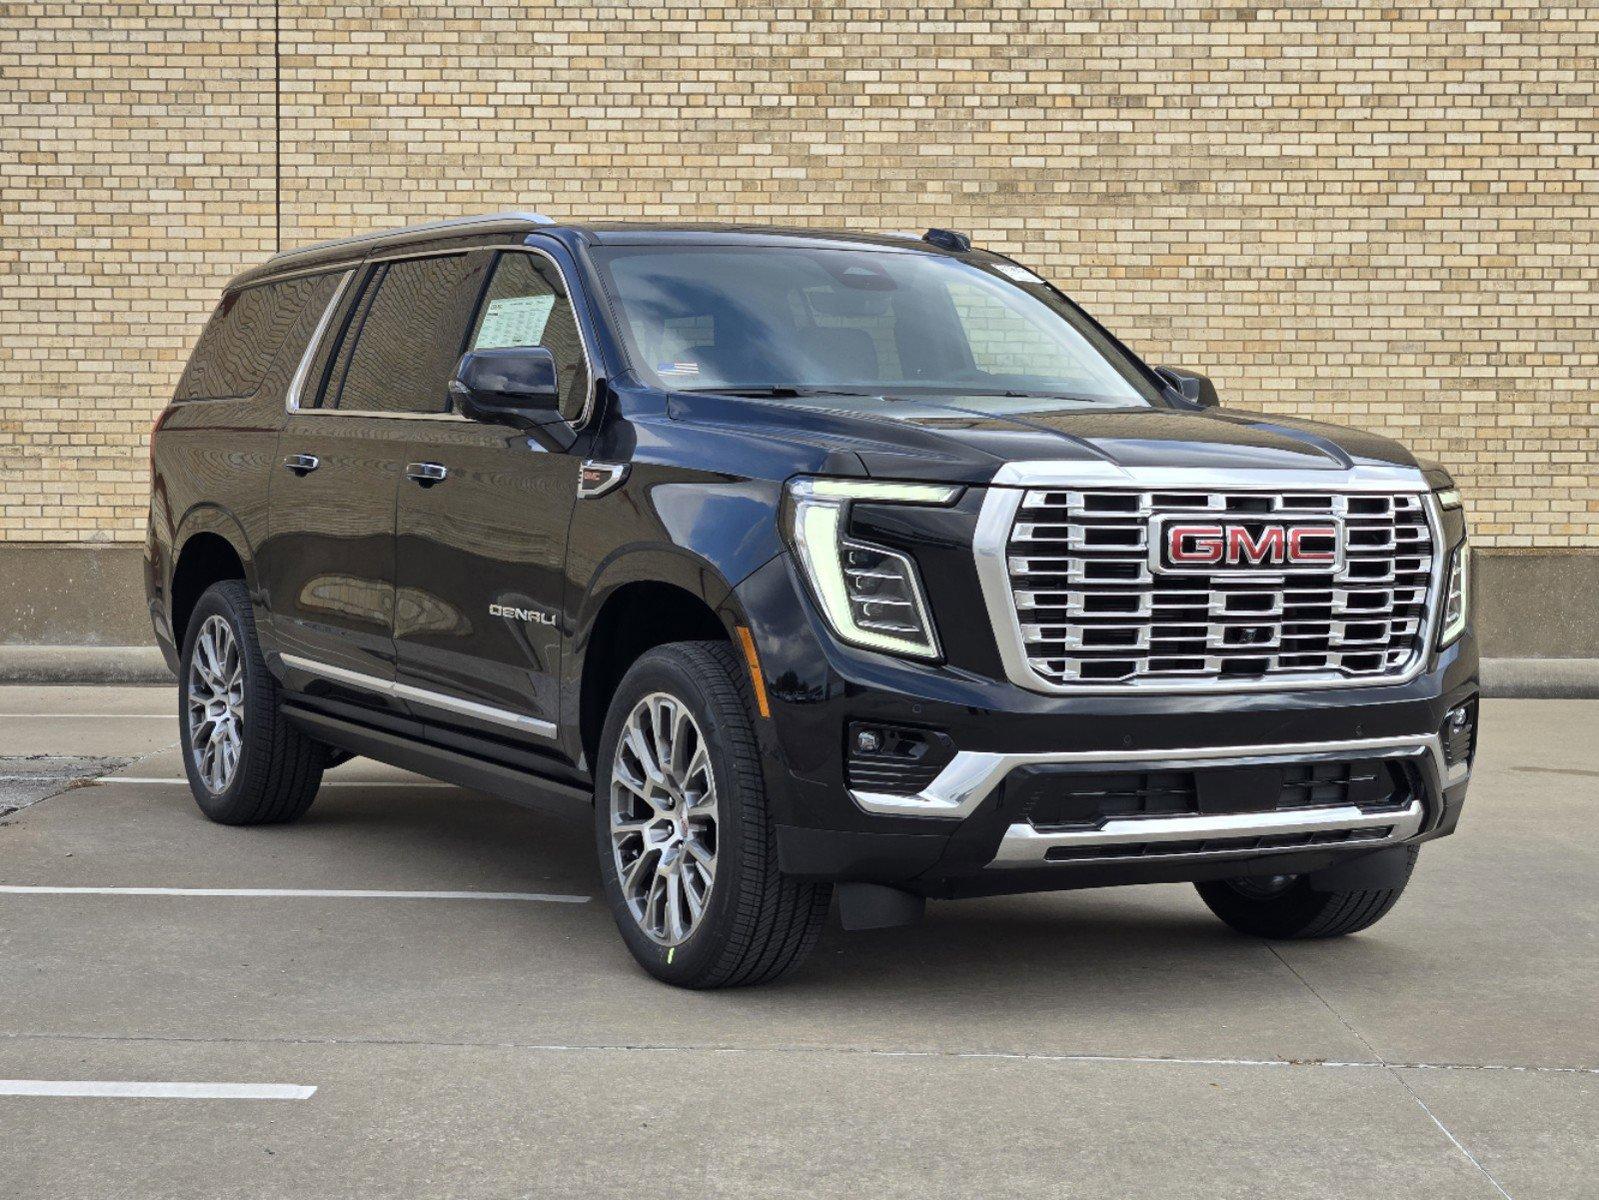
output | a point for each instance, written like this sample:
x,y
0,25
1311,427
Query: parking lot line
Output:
x,y
119,1089
407,783
88,716
275,893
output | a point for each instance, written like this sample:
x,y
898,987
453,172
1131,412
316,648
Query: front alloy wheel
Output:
x,y
663,819
216,705
687,847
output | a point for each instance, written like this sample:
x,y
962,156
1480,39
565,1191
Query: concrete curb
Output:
x,y
83,664
1541,678
1514,678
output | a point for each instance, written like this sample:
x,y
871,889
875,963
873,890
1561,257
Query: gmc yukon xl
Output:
x,y
805,565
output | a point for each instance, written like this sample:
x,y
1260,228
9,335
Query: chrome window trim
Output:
x,y
1024,846
291,400
968,779
1009,486
406,691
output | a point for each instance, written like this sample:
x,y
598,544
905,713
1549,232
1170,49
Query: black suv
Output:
x,y
816,564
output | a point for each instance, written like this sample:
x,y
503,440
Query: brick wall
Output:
x,y
1376,215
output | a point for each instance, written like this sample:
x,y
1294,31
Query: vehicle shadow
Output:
x,y
1105,955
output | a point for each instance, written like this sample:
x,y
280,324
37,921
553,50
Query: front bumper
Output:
x,y
968,832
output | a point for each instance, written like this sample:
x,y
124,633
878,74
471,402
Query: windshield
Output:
x,y
800,321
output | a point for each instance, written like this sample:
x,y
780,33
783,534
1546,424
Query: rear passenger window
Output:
x,y
527,305
405,335
246,333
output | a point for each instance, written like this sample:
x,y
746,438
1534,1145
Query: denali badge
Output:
x,y
521,614
1180,544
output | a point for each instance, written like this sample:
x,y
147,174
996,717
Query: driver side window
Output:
x,y
527,305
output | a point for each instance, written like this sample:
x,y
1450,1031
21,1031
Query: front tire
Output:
x,y
246,764
688,855
1287,907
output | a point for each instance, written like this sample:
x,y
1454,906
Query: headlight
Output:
x,y
1448,497
870,595
1457,596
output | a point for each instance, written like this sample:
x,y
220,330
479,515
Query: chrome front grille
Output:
x,y
1092,608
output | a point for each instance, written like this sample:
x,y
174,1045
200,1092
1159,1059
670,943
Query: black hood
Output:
x,y
946,438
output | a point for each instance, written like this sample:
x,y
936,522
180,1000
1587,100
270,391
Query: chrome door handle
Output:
x,y
302,464
427,474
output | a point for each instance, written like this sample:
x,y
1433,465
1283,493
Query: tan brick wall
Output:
x,y
1382,216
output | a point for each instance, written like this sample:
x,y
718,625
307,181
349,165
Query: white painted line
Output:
x,y
406,783
291,893
93,716
117,1089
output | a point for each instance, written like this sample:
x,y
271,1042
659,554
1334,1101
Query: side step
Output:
x,y
412,754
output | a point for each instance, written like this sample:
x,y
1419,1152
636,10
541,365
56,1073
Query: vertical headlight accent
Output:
x,y
1457,596
870,595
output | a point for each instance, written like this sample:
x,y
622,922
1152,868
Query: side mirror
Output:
x,y
1197,389
512,385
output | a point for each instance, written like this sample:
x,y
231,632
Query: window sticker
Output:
x,y
1019,274
677,368
514,321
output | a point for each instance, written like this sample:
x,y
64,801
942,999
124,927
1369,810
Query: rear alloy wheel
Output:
x,y
687,849
246,764
216,705
663,819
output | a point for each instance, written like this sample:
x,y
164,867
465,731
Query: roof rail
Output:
x,y
452,225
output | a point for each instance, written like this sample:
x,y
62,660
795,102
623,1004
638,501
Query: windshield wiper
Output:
x,y
1014,394
779,390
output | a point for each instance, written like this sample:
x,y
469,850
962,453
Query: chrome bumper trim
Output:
x,y
1024,846
973,774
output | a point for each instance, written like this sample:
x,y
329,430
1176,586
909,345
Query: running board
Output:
x,y
411,754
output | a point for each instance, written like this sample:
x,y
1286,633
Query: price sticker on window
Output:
x,y
514,321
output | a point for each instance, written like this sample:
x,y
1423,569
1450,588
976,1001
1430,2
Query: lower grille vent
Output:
x,y
1053,798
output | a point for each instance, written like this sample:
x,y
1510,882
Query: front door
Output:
x,y
380,376
482,524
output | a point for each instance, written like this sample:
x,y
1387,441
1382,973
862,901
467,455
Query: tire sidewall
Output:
x,y
216,602
661,671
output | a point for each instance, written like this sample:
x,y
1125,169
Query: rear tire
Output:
x,y
680,819
1286,907
246,764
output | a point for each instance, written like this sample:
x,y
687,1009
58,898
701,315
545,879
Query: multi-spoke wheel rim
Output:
x,y
216,705
664,819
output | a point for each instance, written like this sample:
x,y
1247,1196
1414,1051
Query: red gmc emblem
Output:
x,y
1183,545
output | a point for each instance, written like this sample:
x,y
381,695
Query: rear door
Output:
x,y
380,376
482,525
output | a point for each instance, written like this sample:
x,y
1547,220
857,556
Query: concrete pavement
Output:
x,y
1096,1044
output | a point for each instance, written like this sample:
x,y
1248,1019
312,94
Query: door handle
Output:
x,y
302,464
427,474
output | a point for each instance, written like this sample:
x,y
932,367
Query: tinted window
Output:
x,y
878,323
405,335
527,305
246,333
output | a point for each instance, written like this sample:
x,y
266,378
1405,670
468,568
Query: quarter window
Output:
x,y
527,305
245,333
405,334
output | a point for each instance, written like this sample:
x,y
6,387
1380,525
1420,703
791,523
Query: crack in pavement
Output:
x,y
29,779
1374,1063
1393,1072
25,780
